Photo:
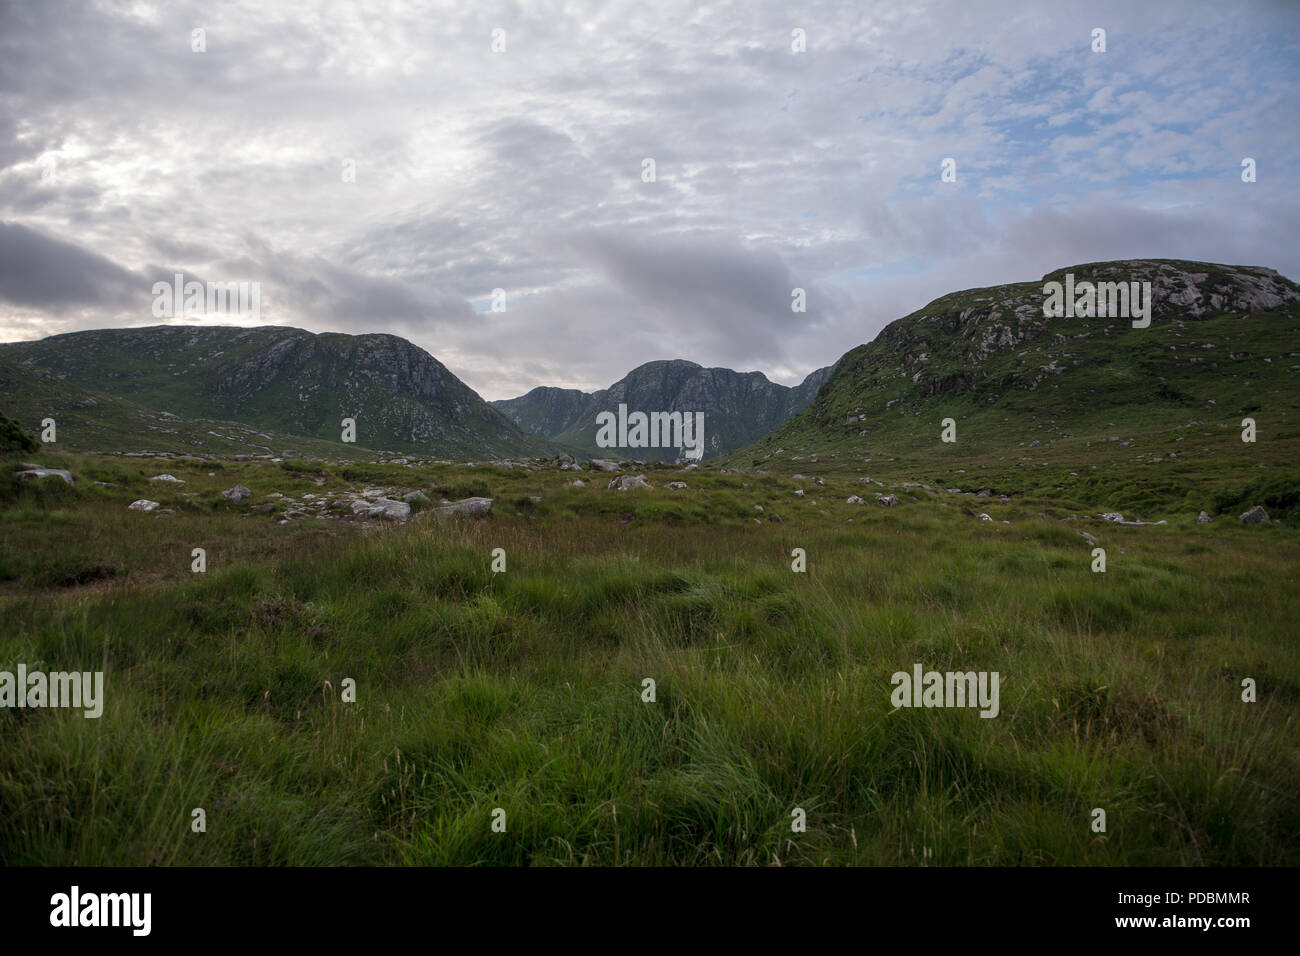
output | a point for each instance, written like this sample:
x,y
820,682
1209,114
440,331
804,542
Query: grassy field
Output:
x,y
523,690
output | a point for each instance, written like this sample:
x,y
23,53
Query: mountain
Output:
x,y
545,411
91,421
738,407
286,381
1222,344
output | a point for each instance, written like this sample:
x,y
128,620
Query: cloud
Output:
x,y
38,270
521,170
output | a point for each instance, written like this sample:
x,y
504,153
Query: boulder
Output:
x,y
677,485
1256,515
578,483
984,517
887,500
415,498
236,494
143,504
1203,518
36,471
854,500
627,482
1114,517
382,508
600,464
466,508
167,478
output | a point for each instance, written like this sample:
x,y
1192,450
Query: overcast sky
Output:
x,y
126,156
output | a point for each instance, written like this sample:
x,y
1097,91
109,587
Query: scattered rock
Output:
x,y
143,504
578,483
1089,538
854,500
415,498
382,508
887,500
237,494
167,478
601,464
677,485
1203,518
626,482
466,508
36,471
1114,517
799,492
691,467
1256,515
984,517
774,517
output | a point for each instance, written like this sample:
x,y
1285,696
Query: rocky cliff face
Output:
x,y
1220,337
545,411
285,379
738,407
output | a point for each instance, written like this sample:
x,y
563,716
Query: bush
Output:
x,y
13,439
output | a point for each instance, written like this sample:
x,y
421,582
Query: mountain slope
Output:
x,y
284,379
1222,344
545,411
90,421
738,407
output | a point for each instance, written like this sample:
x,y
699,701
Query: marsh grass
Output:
x,y
522,690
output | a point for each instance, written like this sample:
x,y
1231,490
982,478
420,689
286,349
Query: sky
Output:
x,y
388,167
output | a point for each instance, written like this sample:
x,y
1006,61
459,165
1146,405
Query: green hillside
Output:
x,y
272,379
1052,402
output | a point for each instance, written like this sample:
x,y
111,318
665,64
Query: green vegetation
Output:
x,y
523,690
13,438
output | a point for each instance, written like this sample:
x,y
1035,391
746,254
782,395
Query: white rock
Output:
x,y
144,504
36,471
627,482
467,508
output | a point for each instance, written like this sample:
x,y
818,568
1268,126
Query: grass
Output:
x,y
523,691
